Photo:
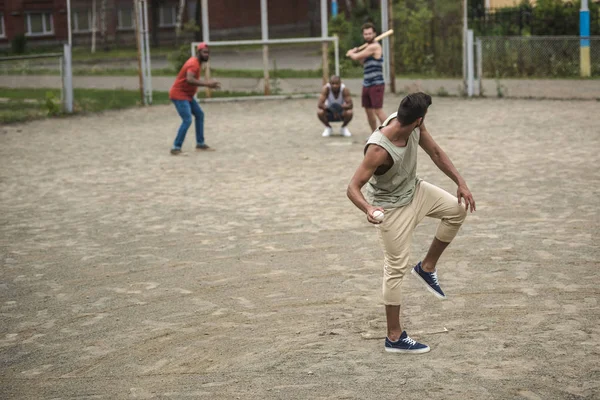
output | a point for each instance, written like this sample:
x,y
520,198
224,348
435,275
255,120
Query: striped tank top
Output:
x,y
373,72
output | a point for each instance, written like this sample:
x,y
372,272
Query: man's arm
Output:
x,y
191,79
347,100
374,158
442,161
363,54
322,98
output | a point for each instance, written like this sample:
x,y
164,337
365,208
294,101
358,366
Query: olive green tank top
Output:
x,y
396,187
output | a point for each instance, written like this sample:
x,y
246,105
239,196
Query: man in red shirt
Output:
x,y
182,95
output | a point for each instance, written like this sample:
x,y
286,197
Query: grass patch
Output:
x,y
19,111
27,104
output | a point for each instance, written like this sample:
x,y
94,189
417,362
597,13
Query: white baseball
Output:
x,y
378,215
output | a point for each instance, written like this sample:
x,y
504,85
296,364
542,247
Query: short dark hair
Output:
x,y
413,107
368,25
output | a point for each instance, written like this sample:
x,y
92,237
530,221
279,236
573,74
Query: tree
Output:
x,y
154,7
103,32
179,23
349,6
314,12
198,18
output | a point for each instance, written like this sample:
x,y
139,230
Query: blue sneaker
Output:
x,y
430,280
405,345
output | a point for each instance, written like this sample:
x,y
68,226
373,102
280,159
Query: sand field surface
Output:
x,y
246,273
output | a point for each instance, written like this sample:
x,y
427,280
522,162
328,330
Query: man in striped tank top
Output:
x,y
335,105
373,83
389,169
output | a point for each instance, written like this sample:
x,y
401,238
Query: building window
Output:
x,y
168,16
2,33
125,19
38,24
82,21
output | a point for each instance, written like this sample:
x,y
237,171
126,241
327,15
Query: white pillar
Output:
x,y
264,28
139,21
69,23
324,45
264,20
324,22
470,67
205,30
68,79
147,52
386,41
479,53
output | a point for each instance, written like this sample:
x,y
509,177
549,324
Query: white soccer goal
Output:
x,y
265,41
66,73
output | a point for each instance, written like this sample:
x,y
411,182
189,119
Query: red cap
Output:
x,y
201,45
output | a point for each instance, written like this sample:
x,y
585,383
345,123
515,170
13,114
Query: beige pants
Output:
x,y
395,232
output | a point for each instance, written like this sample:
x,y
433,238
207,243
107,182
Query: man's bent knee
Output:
x,y
460,216
449,226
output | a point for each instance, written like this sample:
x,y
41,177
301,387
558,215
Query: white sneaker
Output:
x,y
327,132
345,132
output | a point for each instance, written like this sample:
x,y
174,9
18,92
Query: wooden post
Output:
x,y
464,43
206,39
264,30
325,46
207,90
325,50
392,62
266,76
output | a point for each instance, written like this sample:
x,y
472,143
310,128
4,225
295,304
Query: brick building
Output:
x,y
44,22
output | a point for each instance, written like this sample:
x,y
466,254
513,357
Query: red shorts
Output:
x,y
372,96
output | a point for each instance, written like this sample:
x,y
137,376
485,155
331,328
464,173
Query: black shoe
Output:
x,y
204,147
176,152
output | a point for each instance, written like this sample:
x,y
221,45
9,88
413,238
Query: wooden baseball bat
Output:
x,y
377,39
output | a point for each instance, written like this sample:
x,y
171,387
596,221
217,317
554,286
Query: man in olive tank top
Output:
x,y
389,170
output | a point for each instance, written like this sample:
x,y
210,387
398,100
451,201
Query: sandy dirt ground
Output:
x,y
245,273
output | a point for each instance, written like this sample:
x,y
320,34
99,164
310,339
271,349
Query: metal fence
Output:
x,y
535,56
528,20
